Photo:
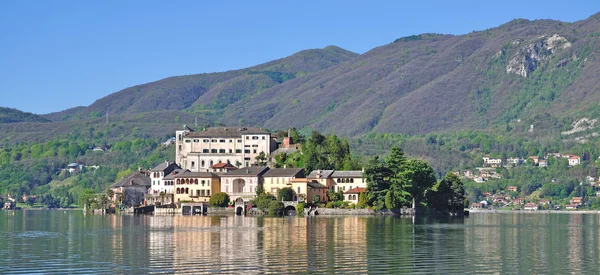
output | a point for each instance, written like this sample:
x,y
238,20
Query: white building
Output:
x,y
198,151
242,183
157,178
492,162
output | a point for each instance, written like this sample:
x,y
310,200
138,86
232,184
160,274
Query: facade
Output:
x,y
531,206
573,159
132,190
242,183
198,151
476,205
353,194
512,189
278,178
222,167
323,177
347,180
492,162
196,186
157,175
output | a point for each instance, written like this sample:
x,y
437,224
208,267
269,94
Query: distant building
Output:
x,y
222,167
353,194
512,189
571,206
132,189
157,175
492,162
535,159
242,183
531,206
519,201
573,159
542,163
476,205
514,161
577,200
348,180
196,186
277,178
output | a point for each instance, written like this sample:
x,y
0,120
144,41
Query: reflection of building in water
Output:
x,y
160,238
213,243
575,241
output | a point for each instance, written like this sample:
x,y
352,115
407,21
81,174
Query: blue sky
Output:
x,y
60,54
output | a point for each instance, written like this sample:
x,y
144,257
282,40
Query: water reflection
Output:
x,y
507,243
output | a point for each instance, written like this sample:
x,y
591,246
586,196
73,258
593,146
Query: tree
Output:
x,y
275,208
260,190
262,201
420,177
219,199
286,194
86,197
261,159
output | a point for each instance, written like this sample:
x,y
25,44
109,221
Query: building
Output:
x,y
531,206
512,189
240,146
157,175
514,161
74,167
535,159
222,167
353,194
573,159
571,206
544,202
519,201
323,177
132,189
278,178
476,205
312,191
577,200
542,163
242,183
196,186
492,162
347,180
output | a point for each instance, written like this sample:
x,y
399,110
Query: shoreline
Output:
x,y
477,211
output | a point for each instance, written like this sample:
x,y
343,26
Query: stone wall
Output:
x,y
220,211
355,212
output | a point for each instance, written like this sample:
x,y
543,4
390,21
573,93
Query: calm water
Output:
x,y
42,242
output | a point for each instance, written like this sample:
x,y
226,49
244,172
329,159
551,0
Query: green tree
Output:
x,y
219,199
275,208
263,200
420,177
286,194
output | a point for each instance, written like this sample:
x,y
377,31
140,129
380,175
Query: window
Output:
x,y
247,145
213,150
179,147
178,181
263,137
196,140
193,164
205,140
205,151
239,140
247,137
298,190
202,163
247,151
255,137
211,163
246,159
230,151
202,182
222,140
255,145
222,151
198,193
201,192
188,140
231,140
213,140
208,193
196,181
254,151
238,151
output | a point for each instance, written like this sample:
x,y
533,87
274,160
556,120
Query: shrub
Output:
x,y
300,208
316,199
263,200
219,199
286,194
275,208
329,205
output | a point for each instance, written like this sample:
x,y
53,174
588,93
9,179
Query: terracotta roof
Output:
x,y
531,204
356,190
223,165
284,172
227,132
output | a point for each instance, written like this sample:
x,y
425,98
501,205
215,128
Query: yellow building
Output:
x,y
347,180
196,186
278,178
309,189
323,177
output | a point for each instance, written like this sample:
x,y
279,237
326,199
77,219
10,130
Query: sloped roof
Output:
x,y
135,179
356,190
315,184
189,174
347,174
171,176
323,173
227,132
254,171
284,172
222,165
163,166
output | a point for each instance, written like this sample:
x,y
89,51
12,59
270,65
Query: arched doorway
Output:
x,y
239,206
239,210
239,185
290,210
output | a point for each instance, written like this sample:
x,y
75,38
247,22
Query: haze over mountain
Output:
x,y
511,74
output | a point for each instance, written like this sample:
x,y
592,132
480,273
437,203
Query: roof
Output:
x,y
163,166
356,190
227,132
221,165
254,171
323,173
284,172
171,176
347,174
74,164
314,184
135,179
189,174
531,204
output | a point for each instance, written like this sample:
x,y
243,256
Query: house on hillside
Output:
x,y
492,162
535,159
577,200
514,161
542,163
512,189
531,206
573,159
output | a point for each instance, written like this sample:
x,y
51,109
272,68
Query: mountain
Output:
x,y
516,76
9,115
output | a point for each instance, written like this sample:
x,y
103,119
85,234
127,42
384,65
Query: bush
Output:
x,y
219,200
300,208
263,200
286,194
275,208
329,205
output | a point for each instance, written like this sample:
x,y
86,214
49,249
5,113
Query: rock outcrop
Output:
x,y
529,58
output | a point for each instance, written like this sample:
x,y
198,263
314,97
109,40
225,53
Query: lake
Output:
x,y
42,242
